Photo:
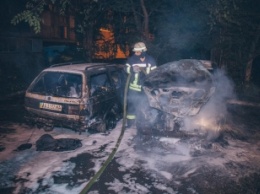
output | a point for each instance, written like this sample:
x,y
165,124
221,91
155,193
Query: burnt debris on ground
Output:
x,y
47,143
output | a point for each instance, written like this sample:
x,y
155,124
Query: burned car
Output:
x,y
174,90
80,96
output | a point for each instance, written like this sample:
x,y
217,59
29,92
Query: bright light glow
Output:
x,y
208,124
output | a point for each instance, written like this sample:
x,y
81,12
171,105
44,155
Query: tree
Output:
x,y
236,29
91,16
172,29
86,13
133,21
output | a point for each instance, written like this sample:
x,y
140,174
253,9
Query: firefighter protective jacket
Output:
x,y
137,78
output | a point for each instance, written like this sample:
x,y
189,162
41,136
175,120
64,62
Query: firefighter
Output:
x,y
138,65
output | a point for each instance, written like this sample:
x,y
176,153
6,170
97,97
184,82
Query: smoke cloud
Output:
x,y
211,117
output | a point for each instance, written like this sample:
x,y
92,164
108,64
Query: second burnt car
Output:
x,y
80,96
173,91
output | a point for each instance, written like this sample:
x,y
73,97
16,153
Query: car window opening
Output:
x,y
59,84
99,83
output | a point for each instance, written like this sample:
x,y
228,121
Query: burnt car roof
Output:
x,y
178,73
78,66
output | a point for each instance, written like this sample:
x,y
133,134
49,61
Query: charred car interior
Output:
x,y
174,90
79,96
59,84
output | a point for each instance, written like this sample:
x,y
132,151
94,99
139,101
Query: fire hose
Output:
x,y
112,154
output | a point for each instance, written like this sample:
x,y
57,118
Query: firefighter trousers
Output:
x,y
134,102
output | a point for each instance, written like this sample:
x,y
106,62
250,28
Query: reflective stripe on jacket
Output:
x,y
137,78
130,116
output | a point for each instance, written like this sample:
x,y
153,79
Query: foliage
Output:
x,y
126,19
235,30
225,31
30,18
34,9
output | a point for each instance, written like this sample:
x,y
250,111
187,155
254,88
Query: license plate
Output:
x,y
48,106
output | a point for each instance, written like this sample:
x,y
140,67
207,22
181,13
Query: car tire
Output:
x,y
111,122
48,128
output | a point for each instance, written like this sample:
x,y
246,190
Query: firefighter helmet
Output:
x,y
139,46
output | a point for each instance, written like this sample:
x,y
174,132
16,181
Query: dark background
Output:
x,y
36,34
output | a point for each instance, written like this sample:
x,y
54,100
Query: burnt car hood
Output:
x,y
179,88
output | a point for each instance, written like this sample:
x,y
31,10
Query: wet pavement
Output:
x,y
230,163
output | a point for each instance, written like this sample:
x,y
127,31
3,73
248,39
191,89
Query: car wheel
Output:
x,y
111,122
48,128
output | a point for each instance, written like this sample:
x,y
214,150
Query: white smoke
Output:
x,y
211,117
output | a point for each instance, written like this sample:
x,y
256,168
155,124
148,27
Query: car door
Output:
x,y
102,93
118,81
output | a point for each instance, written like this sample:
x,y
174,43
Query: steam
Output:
x,y
208,122
211,117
